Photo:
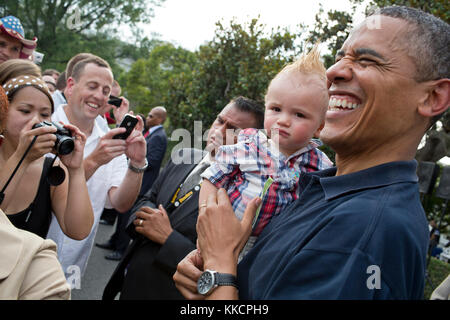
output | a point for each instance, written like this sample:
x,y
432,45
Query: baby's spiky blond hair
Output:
x,y
308,70
308,63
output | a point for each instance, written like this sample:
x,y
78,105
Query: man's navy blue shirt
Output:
x,y
362,235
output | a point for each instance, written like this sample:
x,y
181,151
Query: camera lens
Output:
x,y
64,145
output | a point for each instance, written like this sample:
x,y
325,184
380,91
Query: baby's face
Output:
x,y
295,110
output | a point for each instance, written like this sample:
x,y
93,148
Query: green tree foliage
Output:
x,y
240,60
331,28
150,80
67,27
438,8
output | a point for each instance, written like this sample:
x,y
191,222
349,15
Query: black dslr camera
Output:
x,y
65,143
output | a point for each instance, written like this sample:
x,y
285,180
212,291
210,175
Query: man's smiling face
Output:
x,y
91,91
373,94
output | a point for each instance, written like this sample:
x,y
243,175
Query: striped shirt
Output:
x,y
243,168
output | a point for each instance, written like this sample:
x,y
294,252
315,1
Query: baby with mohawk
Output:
x,y
267,163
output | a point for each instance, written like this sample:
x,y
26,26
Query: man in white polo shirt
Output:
x,y
107,173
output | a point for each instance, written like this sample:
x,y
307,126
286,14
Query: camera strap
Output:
x,y
55,175
2,193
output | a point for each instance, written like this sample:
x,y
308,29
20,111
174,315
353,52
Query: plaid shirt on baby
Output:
x,y
243,168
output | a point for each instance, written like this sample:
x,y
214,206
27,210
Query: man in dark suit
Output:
x,y
165,218
157,141
156,148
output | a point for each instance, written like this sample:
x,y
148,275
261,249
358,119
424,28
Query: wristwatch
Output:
x,y
210,279
138,170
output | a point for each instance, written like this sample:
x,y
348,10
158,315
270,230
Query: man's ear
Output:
x,y
438,99
69,86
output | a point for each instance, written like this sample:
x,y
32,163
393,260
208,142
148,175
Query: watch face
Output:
x,y
205,282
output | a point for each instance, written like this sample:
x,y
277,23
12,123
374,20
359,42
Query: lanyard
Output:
x,y
176,202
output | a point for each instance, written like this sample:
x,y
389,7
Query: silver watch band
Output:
x,y
138,170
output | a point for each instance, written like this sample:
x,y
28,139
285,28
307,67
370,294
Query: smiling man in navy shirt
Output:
x,y
357,231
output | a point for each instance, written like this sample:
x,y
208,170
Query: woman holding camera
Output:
x,y
29,198
29,267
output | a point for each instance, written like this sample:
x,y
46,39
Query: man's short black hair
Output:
x,y
427,42
251,106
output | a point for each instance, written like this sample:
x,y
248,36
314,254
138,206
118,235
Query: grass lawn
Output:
x,y
437,271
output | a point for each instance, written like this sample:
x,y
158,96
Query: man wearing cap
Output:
x,y
13,44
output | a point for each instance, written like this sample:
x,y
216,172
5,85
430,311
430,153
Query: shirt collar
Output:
x,y
97,131
153,129
381,175
313,143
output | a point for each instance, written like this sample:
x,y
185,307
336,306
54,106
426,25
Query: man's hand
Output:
x,y
109,148
221,235
136,147
44,143
122,110
106,150
154,224
74,160
188,271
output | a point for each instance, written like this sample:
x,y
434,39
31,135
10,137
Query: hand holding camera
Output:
x,y
136,149
68,142
74,160
44,141
115,101
129,122
121,110
108,148
64,143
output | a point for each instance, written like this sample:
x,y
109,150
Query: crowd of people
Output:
x,y
261,213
